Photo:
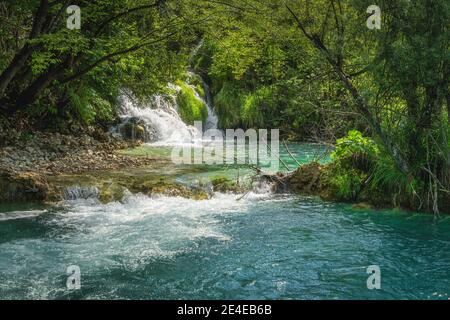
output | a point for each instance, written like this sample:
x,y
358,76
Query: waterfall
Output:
x,y
77,192
213,120
159,119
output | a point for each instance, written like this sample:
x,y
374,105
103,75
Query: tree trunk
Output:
x,y
363,108
22,56
361,104
17,63
30,94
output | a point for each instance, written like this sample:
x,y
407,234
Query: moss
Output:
x,y
161,187
307,179
200,91
190,107
224,185
111,192
327,181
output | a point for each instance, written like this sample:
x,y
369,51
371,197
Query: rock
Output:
x,y
225,185
362,205
306,179
22,187
135,129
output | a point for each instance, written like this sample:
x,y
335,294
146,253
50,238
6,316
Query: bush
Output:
x,y
347,185
363,171
354,143
227,104
255,107
88,106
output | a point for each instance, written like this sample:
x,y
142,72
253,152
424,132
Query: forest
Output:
x,y
334,181
314,69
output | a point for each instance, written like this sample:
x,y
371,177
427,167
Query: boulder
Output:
x,y
22,187
306,179
133,131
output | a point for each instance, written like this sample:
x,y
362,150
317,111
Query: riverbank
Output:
x,y
53,153
45,165
26,163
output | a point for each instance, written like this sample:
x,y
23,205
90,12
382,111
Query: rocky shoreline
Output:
x,y
26,164
54,153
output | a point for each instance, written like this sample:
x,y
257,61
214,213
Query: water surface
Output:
x,y
260,246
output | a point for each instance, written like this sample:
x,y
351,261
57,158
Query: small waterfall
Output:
x,y
212,120
77,192
158,120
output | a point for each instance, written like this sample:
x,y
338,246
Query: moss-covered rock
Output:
x,y
22,187
225,185
133,130
161,187
307,179
111,192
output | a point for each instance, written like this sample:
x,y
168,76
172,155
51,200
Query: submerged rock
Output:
x,y
23,186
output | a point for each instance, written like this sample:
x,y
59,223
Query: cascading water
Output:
x,y
159,119
77,192
212,121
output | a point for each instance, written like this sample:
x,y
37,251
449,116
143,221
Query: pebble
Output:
x,y
54,153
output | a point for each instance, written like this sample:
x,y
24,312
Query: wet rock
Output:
x,y
133,131
161,187
22,186
225,185
306,179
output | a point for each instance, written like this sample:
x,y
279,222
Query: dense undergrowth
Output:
x,y
361,171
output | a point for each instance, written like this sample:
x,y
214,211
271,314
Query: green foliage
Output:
x,y
200,91
190,107
88,106
354,145
346,184
227,104
76,75
256,106
362,170
385,176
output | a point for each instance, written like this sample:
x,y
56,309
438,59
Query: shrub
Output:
x,y
346,185
255,106
355,151
227,104
88,106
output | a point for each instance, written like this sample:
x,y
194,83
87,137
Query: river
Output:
x,y
260,246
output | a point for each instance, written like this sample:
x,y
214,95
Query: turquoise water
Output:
x,y
261,246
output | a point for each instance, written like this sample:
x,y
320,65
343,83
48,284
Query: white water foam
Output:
x,y
162,122
16,215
